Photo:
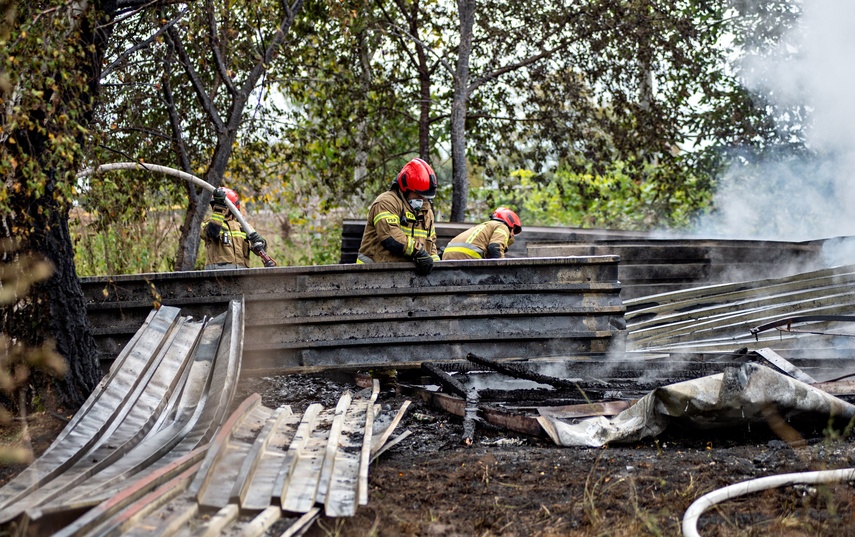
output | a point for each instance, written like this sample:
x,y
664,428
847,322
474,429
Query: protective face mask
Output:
x,y
417,204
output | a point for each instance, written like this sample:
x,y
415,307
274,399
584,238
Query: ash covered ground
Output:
x,y
516,485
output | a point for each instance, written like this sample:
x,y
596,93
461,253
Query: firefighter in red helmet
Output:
x,y
400,224
489,240
226,244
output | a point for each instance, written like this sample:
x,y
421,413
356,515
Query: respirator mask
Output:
x,y
416,204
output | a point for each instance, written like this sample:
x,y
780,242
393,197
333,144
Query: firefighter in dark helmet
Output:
x,y
488,240
227,246
400,224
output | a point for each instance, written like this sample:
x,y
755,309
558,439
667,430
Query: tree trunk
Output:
x,y
424,87
360,169
56,310
460,179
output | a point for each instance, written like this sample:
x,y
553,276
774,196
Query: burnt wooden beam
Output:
x,y
445,380
520,371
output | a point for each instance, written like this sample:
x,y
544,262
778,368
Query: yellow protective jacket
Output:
x,y
393,232
232,248
474,242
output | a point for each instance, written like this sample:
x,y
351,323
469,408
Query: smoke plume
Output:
x,y
796,198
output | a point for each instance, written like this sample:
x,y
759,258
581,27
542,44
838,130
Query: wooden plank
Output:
x,y
332,445
303,523
301,437
228,462
368,435
457,406
186,465
132,515
219,442
781,363
395,441
378,441
167,520
299,493
219,522
255,454
259,525
261,488
343,493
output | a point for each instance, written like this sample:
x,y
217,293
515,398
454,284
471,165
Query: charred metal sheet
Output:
x,y
726,316
100,411
602,372
585,410
346,315
659,265
838,388
170,418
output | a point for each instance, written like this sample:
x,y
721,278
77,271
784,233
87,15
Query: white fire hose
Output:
x,y
690,519
248,229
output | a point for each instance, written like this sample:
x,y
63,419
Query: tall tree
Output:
x,y
51,53
219,50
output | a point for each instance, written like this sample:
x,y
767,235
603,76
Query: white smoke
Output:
x,y
795,199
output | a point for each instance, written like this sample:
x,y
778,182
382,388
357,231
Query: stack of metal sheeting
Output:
x,y
806,314
370,315
351,236
168,392
654,266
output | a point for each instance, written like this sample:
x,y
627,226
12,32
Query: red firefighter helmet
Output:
x,y
417,176
509,217
231,195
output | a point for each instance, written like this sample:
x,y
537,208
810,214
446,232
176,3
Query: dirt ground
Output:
x,y
507,484
515,485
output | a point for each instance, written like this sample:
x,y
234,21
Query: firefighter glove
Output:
x,y
257,241
219,196
423,261
494,251
213,231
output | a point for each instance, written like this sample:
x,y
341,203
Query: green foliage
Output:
x,y
44,102
121,228
588,199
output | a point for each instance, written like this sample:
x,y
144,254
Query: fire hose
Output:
x,y
690,518
248,229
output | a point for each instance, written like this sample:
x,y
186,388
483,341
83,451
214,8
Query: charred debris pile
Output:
x,y
774,351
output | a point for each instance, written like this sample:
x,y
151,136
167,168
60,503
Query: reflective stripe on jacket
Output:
x,y
473,243
232,247
390,217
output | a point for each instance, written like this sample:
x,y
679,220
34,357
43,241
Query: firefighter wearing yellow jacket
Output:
x,y
226,244
490,239
400,224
